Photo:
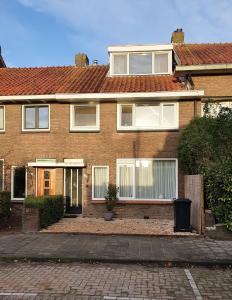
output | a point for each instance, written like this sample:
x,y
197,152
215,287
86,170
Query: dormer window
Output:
x,y
141,63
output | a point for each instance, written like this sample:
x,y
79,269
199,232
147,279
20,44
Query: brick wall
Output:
x,y
101,148
214,85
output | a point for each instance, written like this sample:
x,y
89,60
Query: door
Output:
x,y
46,182
72,192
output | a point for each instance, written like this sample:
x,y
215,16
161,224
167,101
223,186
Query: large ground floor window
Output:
x,y
147,179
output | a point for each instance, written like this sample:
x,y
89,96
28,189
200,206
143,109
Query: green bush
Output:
x,y
218,191
4,205
206,148
51,208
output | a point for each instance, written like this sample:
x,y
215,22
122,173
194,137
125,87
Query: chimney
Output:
x,y
81,60
177,36
95,62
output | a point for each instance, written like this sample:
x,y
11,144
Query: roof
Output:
x,y
72,79
202,54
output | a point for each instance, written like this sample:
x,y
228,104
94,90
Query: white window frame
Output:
x,y
84,128
169,62
4,118
130,161
36,129
3,174
12,184
169,52
108,175
141,128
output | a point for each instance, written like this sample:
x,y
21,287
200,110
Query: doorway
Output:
x,y
73,190
46,179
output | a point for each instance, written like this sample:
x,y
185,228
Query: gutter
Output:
x,y
206,68
104,96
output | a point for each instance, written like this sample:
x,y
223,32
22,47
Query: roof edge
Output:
x,y
103,96
205,67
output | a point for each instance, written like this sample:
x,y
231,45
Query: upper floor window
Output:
x,y
84,117
141,63
2,118
35,117
150,116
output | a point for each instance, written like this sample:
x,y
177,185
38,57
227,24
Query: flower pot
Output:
x,y
108,216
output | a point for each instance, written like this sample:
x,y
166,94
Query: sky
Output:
x,y
51,32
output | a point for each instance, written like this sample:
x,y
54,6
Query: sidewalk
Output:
x,y
128,249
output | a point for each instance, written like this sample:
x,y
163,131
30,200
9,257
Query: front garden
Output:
x,y
206,148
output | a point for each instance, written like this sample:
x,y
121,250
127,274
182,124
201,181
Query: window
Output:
x,y
85,117
2,118
18,183
1,175
140,63
100,181
135,63
147,179
120,64
150,116
36,117
161,63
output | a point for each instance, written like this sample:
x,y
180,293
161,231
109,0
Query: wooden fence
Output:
x,y
194,190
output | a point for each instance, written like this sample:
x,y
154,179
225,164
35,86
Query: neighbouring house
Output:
x,y
2,62
72,130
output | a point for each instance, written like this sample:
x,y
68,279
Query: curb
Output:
x,y
154,263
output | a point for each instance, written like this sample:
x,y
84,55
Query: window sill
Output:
x,y
147,129
2,131
147,202
19,200
35,130
85,130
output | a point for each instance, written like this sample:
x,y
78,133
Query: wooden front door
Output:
x,y
46,182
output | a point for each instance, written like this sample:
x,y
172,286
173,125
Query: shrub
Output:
x,y
218,191
51,208
4,205
205,148
111,197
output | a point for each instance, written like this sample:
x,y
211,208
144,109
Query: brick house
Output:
x,y
72,130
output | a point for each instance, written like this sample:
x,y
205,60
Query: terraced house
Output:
x,y
72,130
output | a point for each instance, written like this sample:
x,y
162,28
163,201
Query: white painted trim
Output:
x,y
139,128
132,161
4,119
135,48
57,164
3,173
169,53
85,128
12,184
112,96
153,54
204,67
93,168
36,129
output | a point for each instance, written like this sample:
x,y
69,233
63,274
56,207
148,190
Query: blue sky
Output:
x,y
50,32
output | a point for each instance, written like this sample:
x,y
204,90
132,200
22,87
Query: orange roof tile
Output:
x,y
72,79
201,54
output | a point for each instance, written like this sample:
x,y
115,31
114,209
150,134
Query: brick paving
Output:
x,y
163,227
71,247
48,281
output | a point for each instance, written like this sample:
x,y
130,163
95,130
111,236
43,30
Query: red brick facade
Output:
x,y
101,148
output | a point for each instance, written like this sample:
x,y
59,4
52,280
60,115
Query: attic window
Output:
x,y
141,63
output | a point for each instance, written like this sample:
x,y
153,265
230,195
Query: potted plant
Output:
x,y
111,200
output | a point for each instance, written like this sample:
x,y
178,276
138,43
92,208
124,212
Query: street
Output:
x,y
48,281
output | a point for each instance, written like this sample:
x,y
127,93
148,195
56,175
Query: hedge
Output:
x,y
51,208
4,205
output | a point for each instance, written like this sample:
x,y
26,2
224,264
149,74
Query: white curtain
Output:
x,y
144,179
126,181
100,182
161,63
164,174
